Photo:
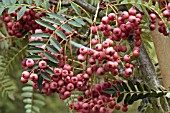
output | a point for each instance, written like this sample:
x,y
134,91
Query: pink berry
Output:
x,y
102,110
132,19
98,47
83,50
128,71
153,16
23,80
100,71
136,53
70,86
57,71
81,58
168,6
94,41
42,64
53,85
25,74
124,109
38,31
132,11
166,13
64,73
152,27
30,62
126,58
34,77
117,31
125,15
93,29
101,27
67,67
105,20
117,107
67,94
112,104
139,16
111,16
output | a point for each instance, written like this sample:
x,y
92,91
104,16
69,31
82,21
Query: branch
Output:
x,y
150,77
62,3
88,7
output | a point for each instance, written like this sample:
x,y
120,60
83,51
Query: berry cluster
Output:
x,y
106,56
23,25
162,28
63,81
107,53
95,100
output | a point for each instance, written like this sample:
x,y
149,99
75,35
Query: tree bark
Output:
x,y
162,47
150,77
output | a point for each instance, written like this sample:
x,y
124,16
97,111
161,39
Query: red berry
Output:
x,y
132,11
152,27
83,50
117,107
117,31
125,15
25,74
64,73
132,19
70,86
57,71
128,71
23,80
67,67
153,16
34,77
94,41
30,62
124,109
81,58
112,104
93,29
105,20
126,58
136,53
166,13
67,94
53,85
111,16
139,16
42,64
168,6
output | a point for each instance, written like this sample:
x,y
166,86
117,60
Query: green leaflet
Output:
x,y
21,12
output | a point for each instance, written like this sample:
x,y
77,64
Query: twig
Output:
x,y
88,7
62,4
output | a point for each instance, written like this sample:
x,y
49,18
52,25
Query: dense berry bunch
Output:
x,y
63,81
25,24
108,53
162,27
105,56
95,100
